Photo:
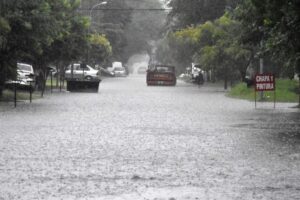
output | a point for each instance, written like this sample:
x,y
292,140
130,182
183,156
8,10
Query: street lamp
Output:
x,y
91,11
91,18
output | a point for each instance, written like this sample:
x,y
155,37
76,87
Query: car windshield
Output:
x,y
164,69
79,67
119,69
24,67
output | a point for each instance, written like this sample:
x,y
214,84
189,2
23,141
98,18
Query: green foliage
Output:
x,y
214,46
100,48
8,95
185,13
275,23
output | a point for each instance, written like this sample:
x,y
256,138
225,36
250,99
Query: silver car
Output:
x,y
25,75
119,71
82,71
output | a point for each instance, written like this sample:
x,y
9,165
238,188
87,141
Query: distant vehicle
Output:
x,y
120,71
106,72
24,71
197,74
142,70
250,75
161,75
116,64
82,72
25,75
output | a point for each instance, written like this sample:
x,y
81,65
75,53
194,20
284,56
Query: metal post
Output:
x,y
299,88
261,70
30,92
15,92
59,81
274,98
51,80
255,98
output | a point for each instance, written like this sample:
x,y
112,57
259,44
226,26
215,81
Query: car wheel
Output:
x,y
88,78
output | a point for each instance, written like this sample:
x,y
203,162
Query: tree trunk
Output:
x,y
1,92
299,90
225,79
2,78
225,82
44,81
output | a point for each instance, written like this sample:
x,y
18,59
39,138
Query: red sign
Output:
x,y
264,82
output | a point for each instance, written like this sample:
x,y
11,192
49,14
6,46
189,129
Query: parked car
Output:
x,y
142,70
161,75
106,72
82,71
120,71
25,77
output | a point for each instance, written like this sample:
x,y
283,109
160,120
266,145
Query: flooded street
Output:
x,y
130,141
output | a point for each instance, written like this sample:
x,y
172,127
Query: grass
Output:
x,y
8,95
48,83
286,91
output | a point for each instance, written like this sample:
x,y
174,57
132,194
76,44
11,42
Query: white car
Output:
x,y
82,71
25,74
25,77
120,71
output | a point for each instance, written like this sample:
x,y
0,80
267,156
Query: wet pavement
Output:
x,y
130,141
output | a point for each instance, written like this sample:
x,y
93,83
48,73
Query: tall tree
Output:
x,y
275,24
193,12
146,26
131,26
25,28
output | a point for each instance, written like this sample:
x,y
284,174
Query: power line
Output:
x,y
128,9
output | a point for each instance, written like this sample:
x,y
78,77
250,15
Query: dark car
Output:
x,y
161,75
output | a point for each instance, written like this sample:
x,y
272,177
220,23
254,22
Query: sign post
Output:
x,y
265,82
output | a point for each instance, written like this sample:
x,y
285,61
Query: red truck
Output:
x,y
161,75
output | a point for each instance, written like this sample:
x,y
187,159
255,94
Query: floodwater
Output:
x,y
130,141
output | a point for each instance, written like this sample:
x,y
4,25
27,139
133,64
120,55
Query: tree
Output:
x,y
41,32
145,27
193,12
277,27
100,48
63,17
128,25
25,28
214,46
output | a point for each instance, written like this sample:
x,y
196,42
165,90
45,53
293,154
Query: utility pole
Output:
x,y
261,69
